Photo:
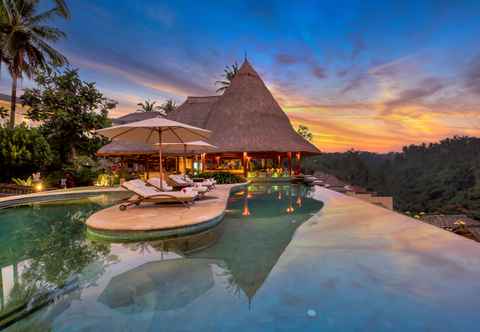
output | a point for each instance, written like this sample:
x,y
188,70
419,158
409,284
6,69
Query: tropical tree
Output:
x,y
148,106
26,40
228,74
69,110
305,132
169,106
3,20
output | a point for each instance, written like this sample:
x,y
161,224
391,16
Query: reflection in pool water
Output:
x,y
145,285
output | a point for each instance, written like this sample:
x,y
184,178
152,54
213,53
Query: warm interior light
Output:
x,y
38,186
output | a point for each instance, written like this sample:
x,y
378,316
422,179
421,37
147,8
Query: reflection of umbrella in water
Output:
x,y
161,285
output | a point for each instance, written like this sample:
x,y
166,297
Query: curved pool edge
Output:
x,y
135,232
52,196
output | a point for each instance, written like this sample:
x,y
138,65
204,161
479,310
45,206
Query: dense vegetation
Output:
x,y
223,178
68,109
443,177
22,152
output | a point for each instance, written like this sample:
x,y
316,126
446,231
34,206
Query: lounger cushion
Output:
x,y
141,189
156,183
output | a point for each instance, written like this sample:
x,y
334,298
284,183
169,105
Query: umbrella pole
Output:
x,y
160,160
184,159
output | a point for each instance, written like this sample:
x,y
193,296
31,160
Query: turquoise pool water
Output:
x,y
280,261
171,284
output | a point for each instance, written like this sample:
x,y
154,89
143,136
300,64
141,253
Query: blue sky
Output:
x,y
369,75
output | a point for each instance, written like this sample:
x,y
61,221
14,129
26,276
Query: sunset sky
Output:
x,y
368,75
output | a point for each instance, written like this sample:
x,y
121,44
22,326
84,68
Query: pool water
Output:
x,y
210,281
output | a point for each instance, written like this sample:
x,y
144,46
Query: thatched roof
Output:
x,y
194,111
245,118
135,116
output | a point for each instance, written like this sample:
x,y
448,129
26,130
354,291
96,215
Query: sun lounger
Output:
x,y
209,183
181,182
144,193
156,183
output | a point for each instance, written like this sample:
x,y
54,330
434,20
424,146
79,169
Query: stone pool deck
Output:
x,y
153,221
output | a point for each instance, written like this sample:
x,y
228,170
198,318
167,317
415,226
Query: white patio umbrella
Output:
x,y
156,131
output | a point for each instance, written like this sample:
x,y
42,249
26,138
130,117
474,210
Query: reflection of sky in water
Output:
x,y
351,267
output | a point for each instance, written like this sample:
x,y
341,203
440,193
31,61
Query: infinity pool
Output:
x,y
149,285
280,261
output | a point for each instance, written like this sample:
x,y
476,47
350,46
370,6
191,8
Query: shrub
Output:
x,y
23,151
28,182
223,178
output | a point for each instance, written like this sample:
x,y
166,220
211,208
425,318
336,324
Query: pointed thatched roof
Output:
x,y
245,118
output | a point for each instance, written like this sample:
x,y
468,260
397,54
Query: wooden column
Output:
x,y
244,164
289,154
146,168
203,161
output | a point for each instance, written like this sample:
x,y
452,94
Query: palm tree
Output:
x,y
305,132
148,106
169,106
228,74
26,41
3,20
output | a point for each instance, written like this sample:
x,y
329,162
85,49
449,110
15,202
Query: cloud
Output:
x,y
358,46
356,82
343,72
472,79
161,78
427,87
319,72
286,59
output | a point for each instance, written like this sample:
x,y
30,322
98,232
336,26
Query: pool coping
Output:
x,y
56,195
123,235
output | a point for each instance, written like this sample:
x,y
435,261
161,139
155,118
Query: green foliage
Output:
x,y
3,112
228,74
305,132
23,151
84,171
26,40
437,178
223,177
107,180
28,182
169,106
69,110
148,106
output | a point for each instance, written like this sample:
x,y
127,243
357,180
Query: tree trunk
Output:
x,y
13,101
73,154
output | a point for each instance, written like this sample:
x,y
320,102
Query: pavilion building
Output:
x,y
254,136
